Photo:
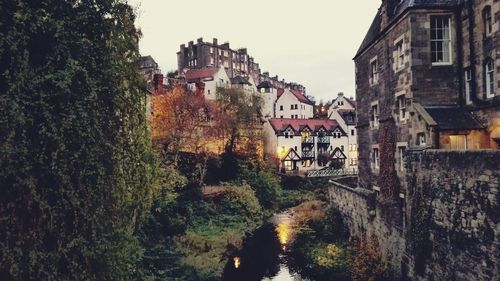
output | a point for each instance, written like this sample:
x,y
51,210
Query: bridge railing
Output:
x,y
331,173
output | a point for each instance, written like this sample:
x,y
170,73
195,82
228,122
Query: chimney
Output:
x,y
341,94
200,40
387,11
158,83
266,73
215,41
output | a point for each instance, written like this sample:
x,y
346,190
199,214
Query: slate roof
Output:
x,y
280,125
240,80
197,74
375,28
453,118
265,84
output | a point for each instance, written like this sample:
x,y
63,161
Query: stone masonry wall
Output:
x,y
453,204
451,218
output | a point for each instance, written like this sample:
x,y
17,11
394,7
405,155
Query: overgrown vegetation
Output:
x,y
321,248
76,167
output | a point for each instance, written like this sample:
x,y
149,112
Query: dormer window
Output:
x,y
421,139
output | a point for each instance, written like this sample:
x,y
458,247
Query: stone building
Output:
x,y
427,76
206,54
428,96
148,67
236,62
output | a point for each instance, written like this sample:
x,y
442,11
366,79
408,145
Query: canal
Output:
x,y
264,254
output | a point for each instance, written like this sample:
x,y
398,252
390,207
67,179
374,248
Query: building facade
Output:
x,y
343,110
426,77
148,67
303,145
293,104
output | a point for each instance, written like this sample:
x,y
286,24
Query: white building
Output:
x,y
308,144
293,104
343,110
269,96
210,78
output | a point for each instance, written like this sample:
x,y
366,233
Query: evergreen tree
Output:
x,y
76,168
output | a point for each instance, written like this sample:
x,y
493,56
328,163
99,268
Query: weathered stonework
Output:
x,y
451,225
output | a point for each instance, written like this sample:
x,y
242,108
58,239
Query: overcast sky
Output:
x,y
309,42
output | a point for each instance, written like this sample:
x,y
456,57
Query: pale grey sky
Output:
x,y
309,42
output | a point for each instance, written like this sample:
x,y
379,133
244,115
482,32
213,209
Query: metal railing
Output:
x,y
324,139
331,173
307,154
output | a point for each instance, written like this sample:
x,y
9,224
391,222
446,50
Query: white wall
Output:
x,y
286,100
352,139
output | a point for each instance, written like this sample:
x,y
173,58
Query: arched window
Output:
x,y
489,73
487,21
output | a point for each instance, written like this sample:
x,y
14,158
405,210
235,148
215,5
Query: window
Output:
x,y
401,100
458,142
373,71
342,147
352,132
353,161
374,115
281,116
440,40
421,139
375,159
352,147
400,55
468,89
489,72
281,108
401,157
487,21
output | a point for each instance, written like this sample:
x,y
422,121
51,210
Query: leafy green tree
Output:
x,y
239,120
76,167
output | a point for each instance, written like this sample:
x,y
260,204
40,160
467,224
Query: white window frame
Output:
x,y
375,122
375,157
399,45
443,40
402,110
487,21
401,146
489,72
374,74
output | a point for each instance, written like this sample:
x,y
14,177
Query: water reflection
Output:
x,y
262,257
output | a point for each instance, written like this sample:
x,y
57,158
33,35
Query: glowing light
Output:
x,y
281,151
237,262
283,230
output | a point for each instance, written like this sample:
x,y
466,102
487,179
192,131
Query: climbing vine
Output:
x,y
388,179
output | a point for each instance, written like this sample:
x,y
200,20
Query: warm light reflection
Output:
x,y
236,262
283,230
281,151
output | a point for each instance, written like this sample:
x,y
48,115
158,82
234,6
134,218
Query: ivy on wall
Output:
x,y
388,180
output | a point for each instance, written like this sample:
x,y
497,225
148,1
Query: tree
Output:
x,y
76,165
239,119
182,121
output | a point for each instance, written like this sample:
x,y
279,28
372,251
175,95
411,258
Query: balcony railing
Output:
x,y
324,139
307,154
308,140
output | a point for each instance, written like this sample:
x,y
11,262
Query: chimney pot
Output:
x,y
215,41
158,82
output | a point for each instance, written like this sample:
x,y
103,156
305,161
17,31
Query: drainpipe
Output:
x,y
472,52
460,54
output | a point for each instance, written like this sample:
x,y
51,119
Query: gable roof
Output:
x,y
265,84
201,73
301,97
280,125
375,29
240,80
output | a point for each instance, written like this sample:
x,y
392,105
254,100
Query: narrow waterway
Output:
x,y
263,257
